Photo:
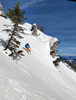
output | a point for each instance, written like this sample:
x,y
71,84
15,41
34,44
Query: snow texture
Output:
x,y
34,76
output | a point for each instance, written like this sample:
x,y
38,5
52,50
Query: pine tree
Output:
x,y
41,28
17,17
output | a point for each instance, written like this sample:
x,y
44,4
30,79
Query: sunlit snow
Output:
x,y
34,76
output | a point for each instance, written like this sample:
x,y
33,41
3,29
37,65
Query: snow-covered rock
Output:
x,y
34,29
54,49
3,15
1,8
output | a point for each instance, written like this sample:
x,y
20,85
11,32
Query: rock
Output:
x,y
1,8
3,15
54,49
34,29
1,12
71,65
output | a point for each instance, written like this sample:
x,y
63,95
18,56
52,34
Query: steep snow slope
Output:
x,y
34,77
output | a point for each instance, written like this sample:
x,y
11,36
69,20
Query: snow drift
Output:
x,y
34,76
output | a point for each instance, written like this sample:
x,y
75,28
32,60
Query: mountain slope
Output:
x,y
34,76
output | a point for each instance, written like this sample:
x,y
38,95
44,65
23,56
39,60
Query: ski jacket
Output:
x,y
27,45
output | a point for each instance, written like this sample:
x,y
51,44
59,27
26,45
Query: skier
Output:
x,y
27,46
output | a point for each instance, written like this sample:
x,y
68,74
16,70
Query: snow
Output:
x,y
34,76
0,12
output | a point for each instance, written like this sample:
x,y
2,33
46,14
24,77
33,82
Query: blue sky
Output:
x,y
57,16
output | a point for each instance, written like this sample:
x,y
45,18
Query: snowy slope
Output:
x,y
34,77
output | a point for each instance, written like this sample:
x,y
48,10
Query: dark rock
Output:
x,y
34,29
54,49
4,15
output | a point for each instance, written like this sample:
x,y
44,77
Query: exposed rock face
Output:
x,y
3,15
72,65
1,8
34,29
1,12
54,49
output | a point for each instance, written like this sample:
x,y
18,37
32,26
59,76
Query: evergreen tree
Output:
x,y
41,28
17,17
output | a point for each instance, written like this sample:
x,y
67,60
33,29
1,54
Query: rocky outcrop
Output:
x,y
1,12
1,8
57,61
34,29
71,65
3,15
54,49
